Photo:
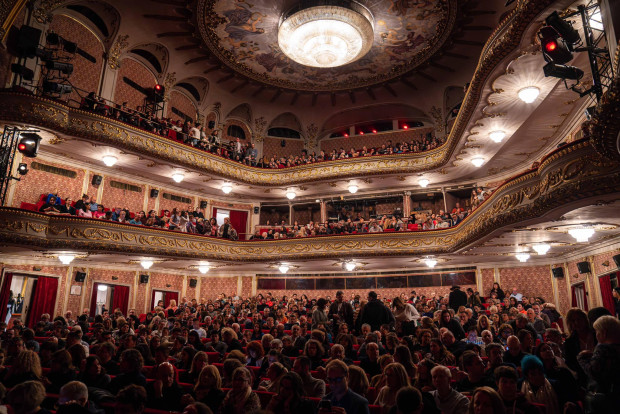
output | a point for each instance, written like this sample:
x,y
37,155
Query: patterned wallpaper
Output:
x,y
564,302
372,140
213,286
165,204
86,75
531,281
273,147
183,104
487,281
116,197
137,73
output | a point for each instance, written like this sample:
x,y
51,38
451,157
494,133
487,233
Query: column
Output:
x,y
395,124
291,213
323,205
406,203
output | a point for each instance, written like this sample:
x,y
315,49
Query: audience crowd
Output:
x,y
411,354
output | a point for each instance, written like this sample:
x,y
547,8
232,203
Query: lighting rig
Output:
x,y
27,143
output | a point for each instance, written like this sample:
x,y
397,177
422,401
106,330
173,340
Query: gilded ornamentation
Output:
x,y
114,56
43,13
437,115
311,142
169,82
259,129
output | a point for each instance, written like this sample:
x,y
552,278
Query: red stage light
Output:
x,y
551,46
346,135
405,126
21,147
361,132
374,131
158,87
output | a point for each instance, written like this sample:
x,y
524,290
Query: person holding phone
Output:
x,y
341,399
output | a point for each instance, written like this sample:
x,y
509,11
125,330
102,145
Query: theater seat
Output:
x,y
213,357
264,397
374,409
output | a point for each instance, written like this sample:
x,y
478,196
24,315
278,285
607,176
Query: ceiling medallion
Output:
x,y
326,36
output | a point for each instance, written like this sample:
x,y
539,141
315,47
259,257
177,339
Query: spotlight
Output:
x,y
361,133
553,46
542,248
53,87
529,94
66,258
497,136
405,126
22,168
424,182
353,188
581,234
109,160
203,269
562,71
283,268
290,194
374,131
522,257
66,68
563,28
102,288
178,177
478,161
350,266
28,144
430,262
146,264
227,188
23,71
346,135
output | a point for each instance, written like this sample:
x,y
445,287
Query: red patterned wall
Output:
x,y
213,286
487,281
116,197
138,73
165,204
607,258
531,281
372,140
385,293
183,104
86,75
273,147
246,286
36,182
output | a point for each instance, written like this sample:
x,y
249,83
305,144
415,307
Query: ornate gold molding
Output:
x,y
571,177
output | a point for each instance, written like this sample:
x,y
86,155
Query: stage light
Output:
x,y
424,182
203,269
178,177
283,268
22,168
430,262
53,87
581,234
353,188
28,144
596,21
346,135
522,257
374,131
66,258
478,161
227,188
23,71
562,71
350,266
66,68
405,126
290,194
563,28
146,264
542,248
529,94
109,160
553,46
361,133
497,136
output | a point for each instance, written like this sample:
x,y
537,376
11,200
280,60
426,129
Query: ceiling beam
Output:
x,y
174,34
198,59
187,47
352,96
165,17
409,84
241,85
425,76
371,94
276,95
294,99
225,78
390,90
314,97
258,91
211,69
442,67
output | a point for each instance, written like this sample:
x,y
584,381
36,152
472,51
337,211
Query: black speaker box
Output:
x,y
558,272
283,143
583,267
144,278
154,193
256,210
203,204
193,283
617,260
97,179
25,43
211,124
80,276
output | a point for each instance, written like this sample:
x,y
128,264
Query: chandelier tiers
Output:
x,y
326,33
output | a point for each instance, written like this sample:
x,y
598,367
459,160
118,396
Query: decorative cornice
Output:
x,y
570,177
603,130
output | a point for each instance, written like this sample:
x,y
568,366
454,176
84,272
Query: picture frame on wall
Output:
x,y
76,290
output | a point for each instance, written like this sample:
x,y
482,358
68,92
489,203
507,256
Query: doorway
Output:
x,y
22,287
108,297
163,296
579,296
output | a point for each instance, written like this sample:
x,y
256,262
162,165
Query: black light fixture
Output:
x,y
53,87
23,71
554,48
64,67
22,168
28,144
564,28
562,71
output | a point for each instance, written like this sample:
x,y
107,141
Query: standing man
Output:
x,y
457,298
375,313
341,311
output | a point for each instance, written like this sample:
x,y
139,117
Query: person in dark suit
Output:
x,y
375,313
457,298
341,311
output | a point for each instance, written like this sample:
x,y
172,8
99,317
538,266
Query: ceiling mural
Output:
x,y
243,35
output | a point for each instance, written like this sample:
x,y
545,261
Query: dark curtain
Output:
x,y
93,299
120,298
606,293
44,299
215,214
4,295
239,220
170,296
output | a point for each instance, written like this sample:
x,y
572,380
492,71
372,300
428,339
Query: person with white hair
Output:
x,y
447,399
73,398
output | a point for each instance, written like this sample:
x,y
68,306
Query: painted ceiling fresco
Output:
x,y
243,35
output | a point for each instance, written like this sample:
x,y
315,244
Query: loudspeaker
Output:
x,y
154,193
583,267
144,278
558,272
256,210
97,179
211,124
203,204
617,260
283,143
193,283
26,42
80,276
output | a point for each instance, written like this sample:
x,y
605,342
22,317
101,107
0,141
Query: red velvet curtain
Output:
x,y
239,220
606,293
4,295
44,299
215,214
93,299
170,296
120,298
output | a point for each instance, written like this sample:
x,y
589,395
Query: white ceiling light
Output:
x,y
581,234
290,194
146,264
430,262
350,266
478,161
109,160
66,258
497,136
283,268
542,248
353,188
178,177
529,94
203,269
424,182
102,288
227,188
522,257
327,36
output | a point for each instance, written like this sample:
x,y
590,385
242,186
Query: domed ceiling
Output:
x,y
243,36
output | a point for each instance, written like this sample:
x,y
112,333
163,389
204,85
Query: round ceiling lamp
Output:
x,y
109,160
66,258
424,182
478,161
497,136
350,266
290,194
529,94
581,234
327,36
146,264
522,257
353,188
430,262
178,177
203,269
283,268
227,188
541,248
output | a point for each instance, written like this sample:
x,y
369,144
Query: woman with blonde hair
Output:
x,y
26,366
240,399
486,400
199,361
208,388
405,316
26,398
358,380
483,325
403,356
396,378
